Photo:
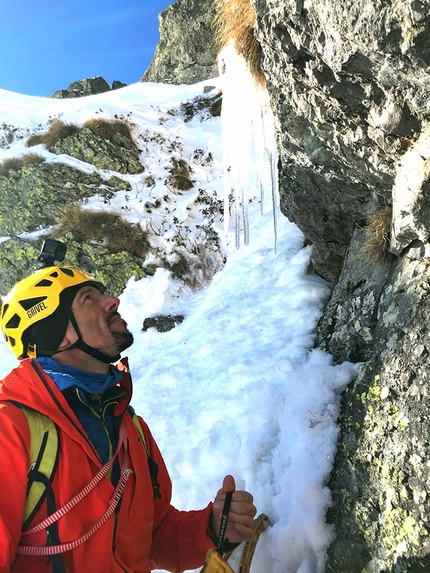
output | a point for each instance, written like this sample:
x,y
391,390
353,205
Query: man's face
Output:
x,y
99,321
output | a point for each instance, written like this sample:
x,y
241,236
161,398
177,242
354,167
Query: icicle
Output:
x,y
274,181
272,152
249,145
259,149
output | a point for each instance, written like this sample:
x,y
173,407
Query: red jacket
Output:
x,y
147,534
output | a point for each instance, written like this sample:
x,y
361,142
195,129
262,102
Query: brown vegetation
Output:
x,y
17,163
57,131
104,227
149,180
34,139
235,20
112,130
378,234
179,177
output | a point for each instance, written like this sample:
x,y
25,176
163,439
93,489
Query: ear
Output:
x,y
69,337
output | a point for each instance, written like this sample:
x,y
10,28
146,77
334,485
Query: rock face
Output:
x,y
349,86
33,196
89,86
186,53
119,155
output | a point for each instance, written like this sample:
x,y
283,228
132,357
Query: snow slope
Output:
x,y
236,388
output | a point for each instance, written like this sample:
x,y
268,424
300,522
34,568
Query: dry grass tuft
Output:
x,y
179,177
17,163
149,181
104,227
235,20
32,159
57,131
113,130
34,139
378,234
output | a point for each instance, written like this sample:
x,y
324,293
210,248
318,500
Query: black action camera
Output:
x,y
52,251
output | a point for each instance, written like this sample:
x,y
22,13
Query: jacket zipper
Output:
x,y
114,535
101,416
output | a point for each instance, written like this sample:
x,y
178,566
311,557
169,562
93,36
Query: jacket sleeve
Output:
x,y
14,448
180,538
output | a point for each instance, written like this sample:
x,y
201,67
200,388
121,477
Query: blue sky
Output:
x,y
46,45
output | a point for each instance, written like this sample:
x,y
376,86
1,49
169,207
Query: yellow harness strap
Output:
x,y
43,458
139,429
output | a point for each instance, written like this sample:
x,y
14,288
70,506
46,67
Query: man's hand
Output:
x,y
241,516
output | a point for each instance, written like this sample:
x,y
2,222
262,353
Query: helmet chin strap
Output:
x,y
81,345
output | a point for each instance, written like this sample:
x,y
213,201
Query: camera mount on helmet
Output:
x,y
52,251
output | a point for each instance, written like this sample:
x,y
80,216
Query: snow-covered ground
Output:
x,y
236,388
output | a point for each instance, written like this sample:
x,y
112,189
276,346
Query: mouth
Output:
x,y
115,317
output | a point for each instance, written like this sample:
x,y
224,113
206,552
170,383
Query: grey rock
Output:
x,y
162,323
380,479
89,86
118,154
349,87
411,207
116,85
186,52
349,93
35,195
347,327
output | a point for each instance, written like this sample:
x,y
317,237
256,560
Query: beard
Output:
x,y
123,340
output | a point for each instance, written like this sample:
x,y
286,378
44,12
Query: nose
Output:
x,y
110,303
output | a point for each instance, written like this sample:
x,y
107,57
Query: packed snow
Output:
x,y
237,387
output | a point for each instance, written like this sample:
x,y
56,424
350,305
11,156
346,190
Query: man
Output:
x,y
109,498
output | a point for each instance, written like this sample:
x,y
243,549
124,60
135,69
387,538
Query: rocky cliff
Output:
x,y
89,86
349,86
186,52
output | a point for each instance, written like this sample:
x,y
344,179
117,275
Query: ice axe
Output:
x,y
216,560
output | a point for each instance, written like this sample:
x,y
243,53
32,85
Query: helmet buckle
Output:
x,y
32,350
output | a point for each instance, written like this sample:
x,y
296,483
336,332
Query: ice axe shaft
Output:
x,y
224,521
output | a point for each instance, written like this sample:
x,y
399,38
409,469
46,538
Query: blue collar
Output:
x,y
66,376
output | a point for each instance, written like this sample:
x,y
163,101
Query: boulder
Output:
x,y
120,154
162,323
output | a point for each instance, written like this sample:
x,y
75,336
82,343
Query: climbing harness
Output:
x,y
126,471
44,450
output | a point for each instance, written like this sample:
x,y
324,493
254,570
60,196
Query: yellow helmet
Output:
x,y
36,298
